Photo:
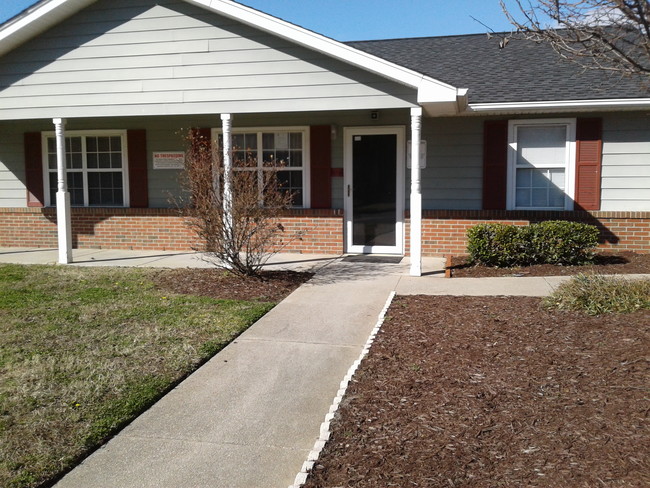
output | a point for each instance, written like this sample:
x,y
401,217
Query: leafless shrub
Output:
x,y
241,228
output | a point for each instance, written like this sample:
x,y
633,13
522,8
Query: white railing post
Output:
x,y
416,193
63,219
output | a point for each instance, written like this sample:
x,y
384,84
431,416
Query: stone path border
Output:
x,y
325,430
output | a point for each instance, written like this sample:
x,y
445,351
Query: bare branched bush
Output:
x,y
610,35
237,229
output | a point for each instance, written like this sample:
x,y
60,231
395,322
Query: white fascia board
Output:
x,y
429,90
560,105
36,20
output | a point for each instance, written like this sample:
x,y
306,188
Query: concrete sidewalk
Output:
x,y
249,417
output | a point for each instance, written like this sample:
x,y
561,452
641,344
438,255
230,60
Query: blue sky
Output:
x,y
347,20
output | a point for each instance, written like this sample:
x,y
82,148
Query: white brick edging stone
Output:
x,y
325,432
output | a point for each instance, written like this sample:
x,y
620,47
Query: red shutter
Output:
x,y
589,150
321,163
495,164
34,169
138,185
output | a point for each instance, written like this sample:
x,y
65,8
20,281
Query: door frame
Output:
x,y
348,134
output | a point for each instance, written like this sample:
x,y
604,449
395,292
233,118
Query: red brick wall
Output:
x,y
154,229
444,231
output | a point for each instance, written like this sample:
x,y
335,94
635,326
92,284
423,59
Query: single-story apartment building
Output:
x,y
101,90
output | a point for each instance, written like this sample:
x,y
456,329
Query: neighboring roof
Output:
x,y
523,71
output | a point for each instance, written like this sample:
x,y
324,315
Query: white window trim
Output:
x,y
306,161
78,133
569,175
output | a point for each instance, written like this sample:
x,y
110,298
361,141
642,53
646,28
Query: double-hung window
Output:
x,y
96,168
284,150
541,160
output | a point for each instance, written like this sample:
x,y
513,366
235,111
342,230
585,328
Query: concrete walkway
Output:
x,y
249,417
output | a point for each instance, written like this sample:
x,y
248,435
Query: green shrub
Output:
x,y
598,294
551,242
494,245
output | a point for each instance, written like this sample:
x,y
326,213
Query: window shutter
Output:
x,y
495,164
34,169
320,141
589,149
138,185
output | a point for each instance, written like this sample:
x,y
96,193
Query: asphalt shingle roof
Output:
x,y
522,72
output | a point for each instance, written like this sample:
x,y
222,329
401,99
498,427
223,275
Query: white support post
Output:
x,y
416,193
63,219
226,125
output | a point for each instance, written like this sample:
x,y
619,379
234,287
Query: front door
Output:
x,y
374,189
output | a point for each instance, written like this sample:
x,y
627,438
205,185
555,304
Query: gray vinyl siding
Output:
x,y
626,162
453,178
137,57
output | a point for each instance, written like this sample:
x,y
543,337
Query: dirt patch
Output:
x,y
606,263
272,286
495,392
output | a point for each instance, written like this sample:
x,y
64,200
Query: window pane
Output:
x,y
76,188
116,144
291,181
523,197
295,159
91,144
116,160
105,188
92,161
541,146
103,144
295,140
524,178
104,160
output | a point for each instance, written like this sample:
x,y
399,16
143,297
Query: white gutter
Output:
x,y
564,105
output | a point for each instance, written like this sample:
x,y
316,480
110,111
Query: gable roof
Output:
x,y
522,77
48,13
523,71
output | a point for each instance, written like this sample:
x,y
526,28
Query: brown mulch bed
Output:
x,y
606,263
495,392
271,286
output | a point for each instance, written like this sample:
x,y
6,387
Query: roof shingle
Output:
x,y
522,72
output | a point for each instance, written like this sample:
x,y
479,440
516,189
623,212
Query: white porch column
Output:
x,y
416,193
64,222
226,125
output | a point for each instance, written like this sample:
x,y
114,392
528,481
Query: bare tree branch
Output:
x,y
611,35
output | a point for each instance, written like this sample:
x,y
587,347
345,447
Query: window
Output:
x,y
95,168
267,149
541,162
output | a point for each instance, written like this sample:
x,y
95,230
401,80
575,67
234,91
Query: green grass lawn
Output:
x,y
84,350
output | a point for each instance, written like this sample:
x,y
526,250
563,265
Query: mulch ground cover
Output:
x,y
607,263
495,392
270,286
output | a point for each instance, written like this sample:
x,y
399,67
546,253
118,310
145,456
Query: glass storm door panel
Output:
x,y
374,210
